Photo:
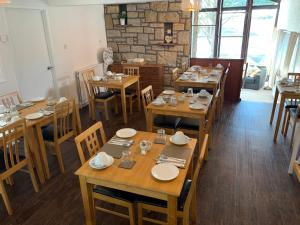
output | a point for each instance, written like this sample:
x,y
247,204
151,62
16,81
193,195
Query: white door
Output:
x,y
32,62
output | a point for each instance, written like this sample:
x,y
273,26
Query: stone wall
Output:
x,y
144,35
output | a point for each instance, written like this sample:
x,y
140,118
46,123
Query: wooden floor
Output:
x,y
245,181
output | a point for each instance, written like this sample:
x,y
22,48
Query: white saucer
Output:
x,y
34,116
158,103
37,99
168,92
94,166
179,143
183,78
197,106
165,171
126,133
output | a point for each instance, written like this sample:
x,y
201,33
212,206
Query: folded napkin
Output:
x,y
62,99
102,159
204,92
219,66
159,101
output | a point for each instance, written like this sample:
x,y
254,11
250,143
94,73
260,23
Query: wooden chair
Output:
x,y
10,99
185,201
88,140
11,138
168,123
97,96
245,69
221,93
131,94
175,75
64,127
292,118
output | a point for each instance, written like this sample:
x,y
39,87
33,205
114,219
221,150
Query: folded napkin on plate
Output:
x,y
102,159
62,99
219,66
159,101
204,92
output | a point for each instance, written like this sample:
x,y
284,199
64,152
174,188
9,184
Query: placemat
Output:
x,y
180,152
114,150
20,106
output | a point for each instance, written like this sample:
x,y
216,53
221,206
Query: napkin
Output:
x,y
159,101
219,66
204,92
62,99
101,159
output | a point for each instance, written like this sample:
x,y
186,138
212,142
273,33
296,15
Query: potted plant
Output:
x,y
123,17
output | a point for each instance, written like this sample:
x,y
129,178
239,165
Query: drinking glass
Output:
x,y
161,136
173,101
126,156
190,92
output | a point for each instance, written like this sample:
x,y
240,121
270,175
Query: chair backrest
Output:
x,y
90,140
87,75
295,77
10,99
11,137
64,119
175,74
184,66
147,97
131,70
199,163
223,81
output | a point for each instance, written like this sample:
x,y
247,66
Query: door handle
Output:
x,y
49,67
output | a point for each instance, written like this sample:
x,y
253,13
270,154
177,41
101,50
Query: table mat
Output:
x,y
180,152
20,106
114,150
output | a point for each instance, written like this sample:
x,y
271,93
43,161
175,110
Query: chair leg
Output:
x,y
287,124
284,121
130,105
293,132
32,176
131,215
5,198
59,158
93,109
140,214
106,111
186,217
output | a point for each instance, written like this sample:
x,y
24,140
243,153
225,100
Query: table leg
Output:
x,y
172,210
274,105
88,202
281,106
124,107
194,208
36,154
43,151
149,120
201,136
138,94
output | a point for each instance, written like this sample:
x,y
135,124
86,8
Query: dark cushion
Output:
x,y
121,195
48,133
104,95
188,123
160,203
166,121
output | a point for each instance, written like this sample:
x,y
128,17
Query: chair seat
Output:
x,y
189,124
48,133
166,121
121,195
160,203
104,95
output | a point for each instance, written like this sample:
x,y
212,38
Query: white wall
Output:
x,y
289,16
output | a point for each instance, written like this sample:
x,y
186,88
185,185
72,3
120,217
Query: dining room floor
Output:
x,y
244,182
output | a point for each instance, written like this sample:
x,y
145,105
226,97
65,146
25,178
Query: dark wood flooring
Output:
x,y
245,181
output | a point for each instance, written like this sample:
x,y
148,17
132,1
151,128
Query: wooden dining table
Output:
x,y
137,180
35,137
121,85
205,81
286,92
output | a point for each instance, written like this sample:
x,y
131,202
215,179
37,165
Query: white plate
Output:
x,y
168,92
120,74
183,78
126,133
34,116
94,166
165,171
197,106
25,104
96,78
37,99
179,143
158,103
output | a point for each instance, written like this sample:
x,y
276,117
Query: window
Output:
x,y
223,28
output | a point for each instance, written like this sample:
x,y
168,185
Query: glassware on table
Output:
x,y
173,100
181,98
145,146
190,92
161,136
126,156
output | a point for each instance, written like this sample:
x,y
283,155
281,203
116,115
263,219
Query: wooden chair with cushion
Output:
x,y
131,93
10,99
185,200
88,145
169,123
97,96
292,118
221,93
64,127
16,155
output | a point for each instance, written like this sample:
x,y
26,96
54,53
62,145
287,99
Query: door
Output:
x,y
32,61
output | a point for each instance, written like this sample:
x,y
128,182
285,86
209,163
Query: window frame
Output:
x,y
247,23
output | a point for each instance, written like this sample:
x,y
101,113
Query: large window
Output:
x,y
233,29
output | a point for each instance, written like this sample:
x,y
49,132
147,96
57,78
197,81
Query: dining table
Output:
x,y
125,82
286,92
35,136
206,78
138,179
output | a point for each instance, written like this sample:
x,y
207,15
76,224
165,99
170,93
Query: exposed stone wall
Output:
x,y
144,36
